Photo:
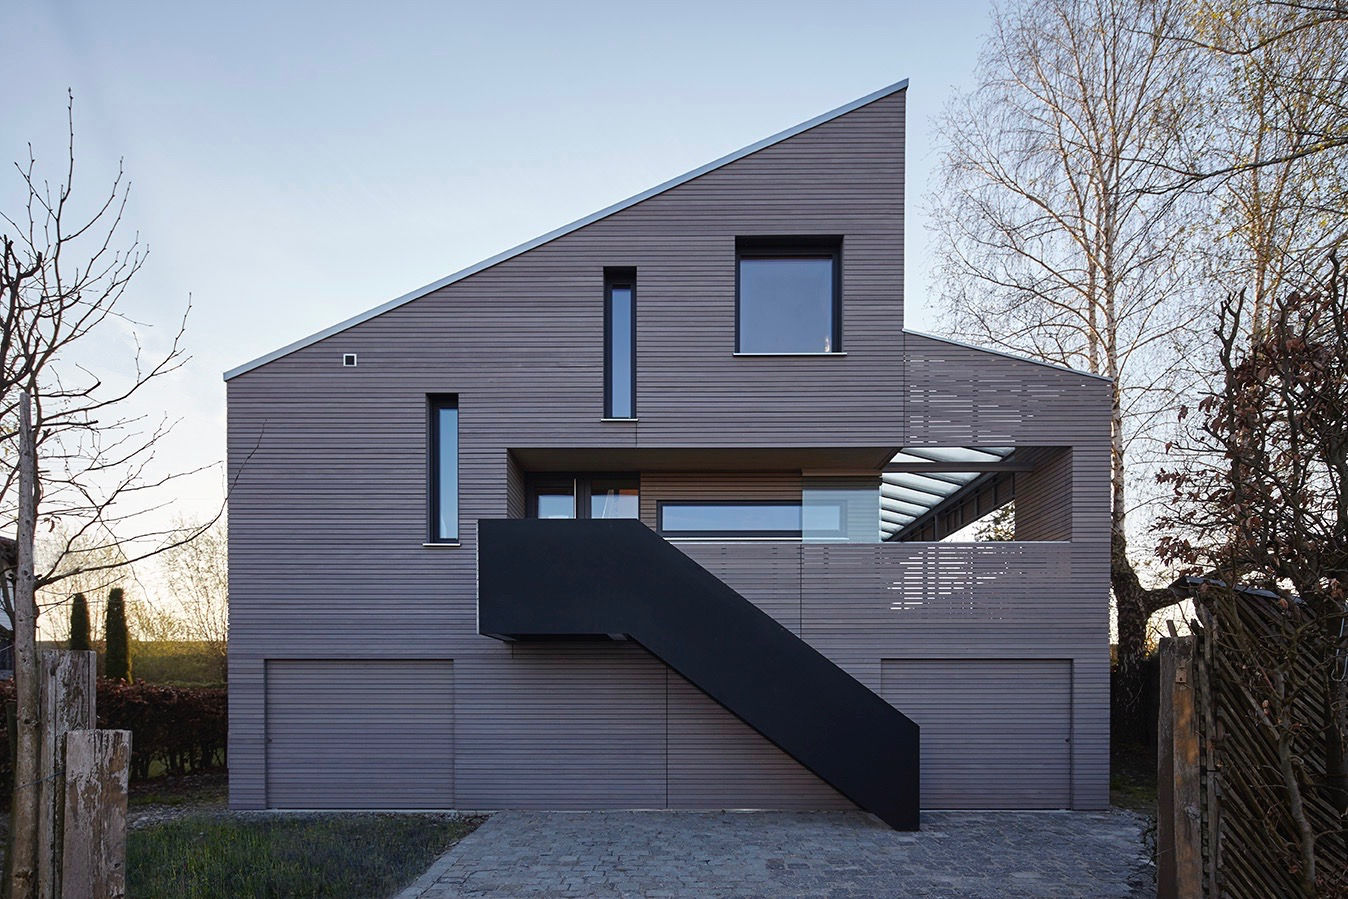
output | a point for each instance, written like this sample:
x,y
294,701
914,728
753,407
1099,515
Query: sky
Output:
x,y
293,164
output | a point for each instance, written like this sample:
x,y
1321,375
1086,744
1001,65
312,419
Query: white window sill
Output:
x,y
788,355
620,419
443,545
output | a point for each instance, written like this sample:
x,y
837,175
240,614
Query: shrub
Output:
x,y
181,728
79,623
117,637
174,730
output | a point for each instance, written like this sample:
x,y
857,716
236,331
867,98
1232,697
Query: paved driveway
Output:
x,y
778,854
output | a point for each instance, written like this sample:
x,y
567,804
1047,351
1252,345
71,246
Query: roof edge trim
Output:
x,y
567,229
1005,355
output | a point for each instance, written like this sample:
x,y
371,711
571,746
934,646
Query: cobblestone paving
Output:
x,y
780,854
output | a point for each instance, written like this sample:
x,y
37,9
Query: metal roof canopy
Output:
x,y
912,496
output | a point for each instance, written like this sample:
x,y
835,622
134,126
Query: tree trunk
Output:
x,y
1134,606
1133,603
23,815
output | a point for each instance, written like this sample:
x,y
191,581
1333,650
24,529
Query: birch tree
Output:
x,y
1059,238
1273,87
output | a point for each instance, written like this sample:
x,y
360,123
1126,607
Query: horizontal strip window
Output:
x,y
747,518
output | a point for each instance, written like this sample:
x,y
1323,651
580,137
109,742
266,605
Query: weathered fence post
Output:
x,y
94,858
67,696
1179,856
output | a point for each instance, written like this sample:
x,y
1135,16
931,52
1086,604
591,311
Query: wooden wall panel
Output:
x,y
996,733
717,761
403,754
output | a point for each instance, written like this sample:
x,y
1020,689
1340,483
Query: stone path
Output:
x,y
779,854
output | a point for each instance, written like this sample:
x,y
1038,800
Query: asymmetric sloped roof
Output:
x,y
567,229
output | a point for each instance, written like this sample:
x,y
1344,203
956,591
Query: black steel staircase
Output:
x,y
548,579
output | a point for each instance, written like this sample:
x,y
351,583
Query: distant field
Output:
x,y
185,662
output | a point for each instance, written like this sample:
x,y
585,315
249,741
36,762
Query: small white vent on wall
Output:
x,y
349,360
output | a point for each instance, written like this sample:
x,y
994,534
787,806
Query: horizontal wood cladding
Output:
x,y
886,590
524,337
563,726
996,733
605,725
715,760
1044,496
401,754
766,573
863,604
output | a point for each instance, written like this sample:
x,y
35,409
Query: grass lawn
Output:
x,y
1132,779
335,855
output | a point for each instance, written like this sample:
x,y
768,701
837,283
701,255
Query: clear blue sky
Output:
x,y
296,163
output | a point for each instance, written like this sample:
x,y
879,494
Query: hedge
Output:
x,y
174,730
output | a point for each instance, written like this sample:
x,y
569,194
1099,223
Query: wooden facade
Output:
x,y
343,619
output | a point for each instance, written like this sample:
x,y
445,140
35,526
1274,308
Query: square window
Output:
x,y
787,295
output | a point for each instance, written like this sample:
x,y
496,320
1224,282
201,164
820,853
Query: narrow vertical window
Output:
x,y
444,468
620,343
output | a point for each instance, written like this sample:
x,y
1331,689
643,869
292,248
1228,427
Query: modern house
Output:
x,y
666,509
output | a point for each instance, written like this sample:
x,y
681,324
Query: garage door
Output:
x,y
995,732
360,734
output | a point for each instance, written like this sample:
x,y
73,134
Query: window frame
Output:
x,y
619,278
435,404
797,247
581,490
552,486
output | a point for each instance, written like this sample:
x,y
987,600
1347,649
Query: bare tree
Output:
x,y
1283,50
95,562
1059,239
155,622
1277,139
197,576
85,463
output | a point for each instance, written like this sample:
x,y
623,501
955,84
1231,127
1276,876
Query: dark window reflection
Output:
x,y
786,305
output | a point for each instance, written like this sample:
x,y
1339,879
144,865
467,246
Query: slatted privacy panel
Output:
x,y
365,733
996,733
961,396
888,588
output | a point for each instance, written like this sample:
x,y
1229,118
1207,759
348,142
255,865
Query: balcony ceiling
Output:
x,y
906,496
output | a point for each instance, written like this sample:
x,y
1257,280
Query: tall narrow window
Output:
x,y
620,342
444,468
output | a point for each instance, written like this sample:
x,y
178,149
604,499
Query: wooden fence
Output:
x,y
1250,738
81,789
